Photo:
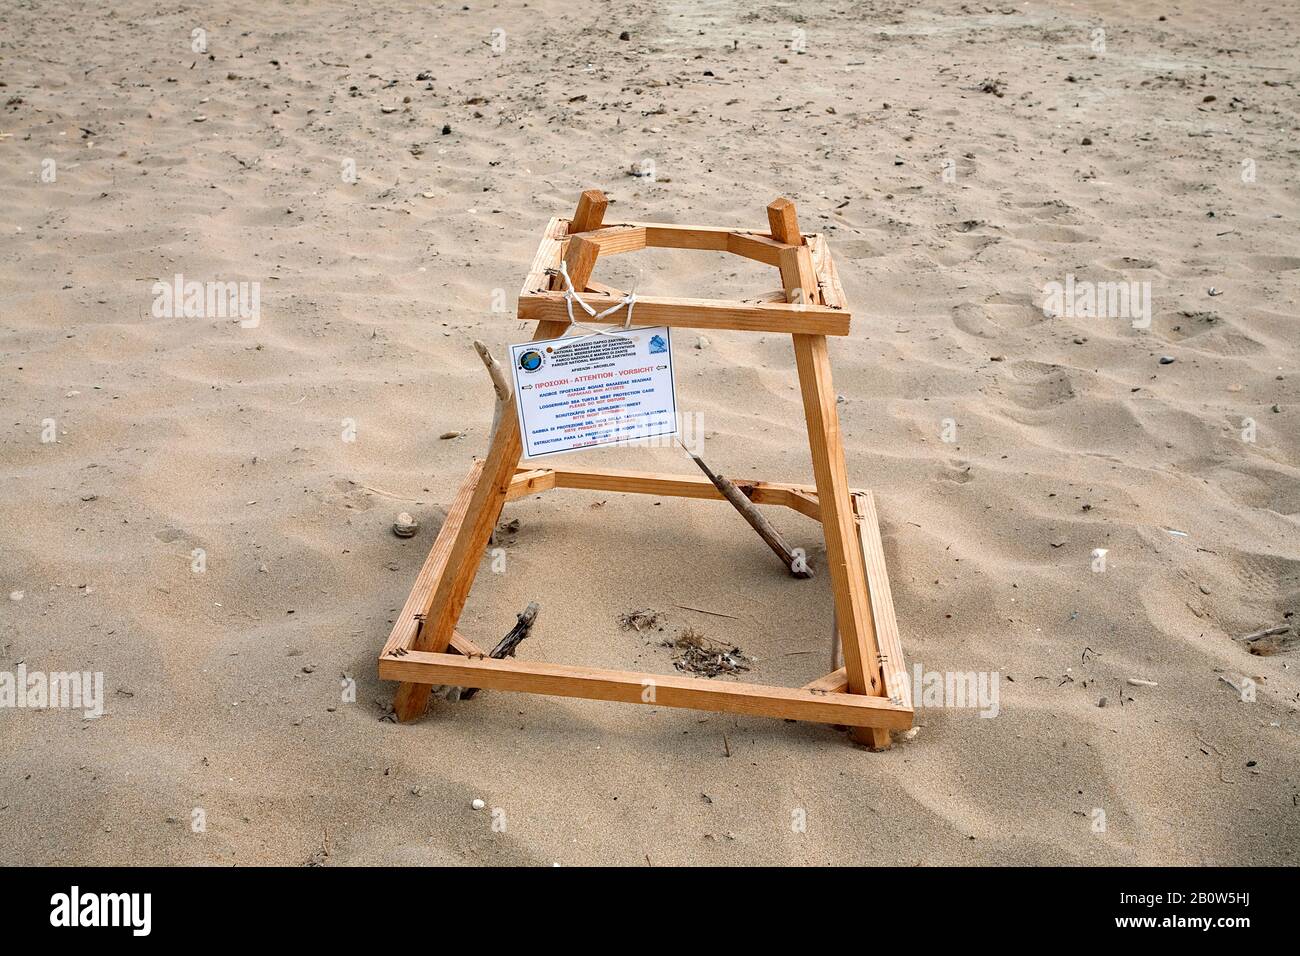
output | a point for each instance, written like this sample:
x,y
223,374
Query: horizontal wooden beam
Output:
x,y
836,682
666,690
631,236
782,317
615,239
797,497
529,482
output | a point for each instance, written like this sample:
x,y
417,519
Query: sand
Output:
x,y
224,687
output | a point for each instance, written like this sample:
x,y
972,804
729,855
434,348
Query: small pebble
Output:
x,y
478,804
1166,360
445,435
405,526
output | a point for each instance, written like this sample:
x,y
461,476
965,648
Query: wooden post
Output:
x,y
843,552
448,599
590,215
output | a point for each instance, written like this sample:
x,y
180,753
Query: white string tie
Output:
x,y
571,296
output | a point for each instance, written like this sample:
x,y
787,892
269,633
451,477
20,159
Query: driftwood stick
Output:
x,y
1266,632
500,384
798,566
507,645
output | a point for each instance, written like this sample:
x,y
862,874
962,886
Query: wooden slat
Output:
x,y
853,609
452,588
836,682
898,684
806,503
828,277
667,235
549,252
771,295
798,276
760,248
843,553
701,314
741,242
673,486
463,645
406,625
615,239
561,680
599,288
580,256
530,482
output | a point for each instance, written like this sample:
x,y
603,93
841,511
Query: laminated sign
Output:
x,y
583,391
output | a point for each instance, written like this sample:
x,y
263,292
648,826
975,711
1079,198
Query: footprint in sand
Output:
x,y
1039,385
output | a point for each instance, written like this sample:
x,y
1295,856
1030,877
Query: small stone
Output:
x,y
308,668
702,342
1086,141
446,435
625,35
417,791
405,526
1166,360
1102,702
478,804
446,129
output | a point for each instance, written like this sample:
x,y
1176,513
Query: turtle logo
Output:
x,y
531,360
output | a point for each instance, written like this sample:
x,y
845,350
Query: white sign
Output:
x,y
588,390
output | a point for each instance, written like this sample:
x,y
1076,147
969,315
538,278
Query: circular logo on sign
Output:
x,y
531,360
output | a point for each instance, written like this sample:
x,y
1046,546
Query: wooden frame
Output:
x,y
870,694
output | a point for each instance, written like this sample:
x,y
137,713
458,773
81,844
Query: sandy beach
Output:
x,y
1091,509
